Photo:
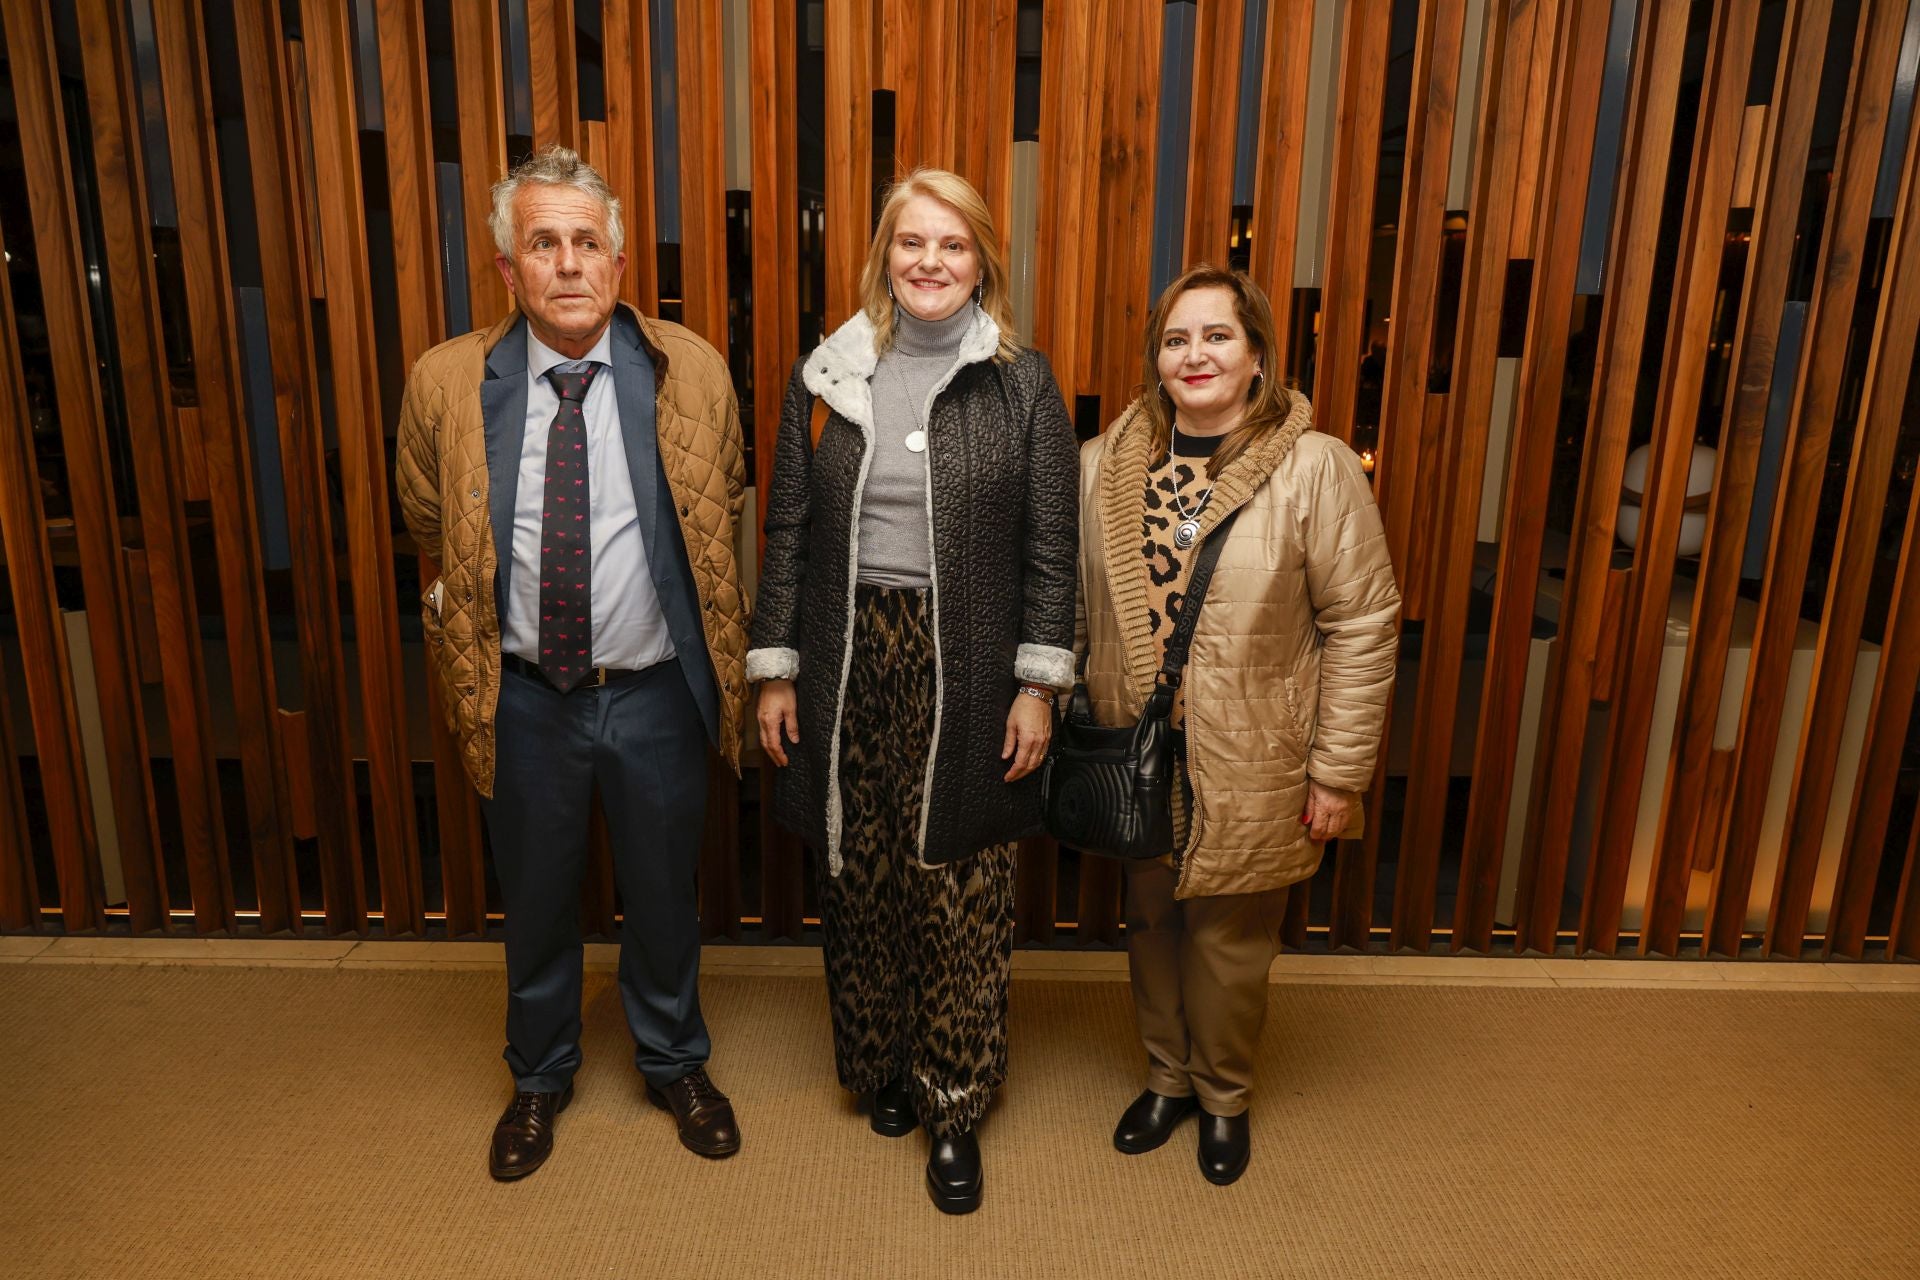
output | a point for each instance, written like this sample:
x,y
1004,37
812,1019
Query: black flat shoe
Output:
x,y
1150,1120
523,1136
953,1173
1225,1147
892,1111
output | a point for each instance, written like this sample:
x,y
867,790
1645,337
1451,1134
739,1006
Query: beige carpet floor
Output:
x,y
171,1122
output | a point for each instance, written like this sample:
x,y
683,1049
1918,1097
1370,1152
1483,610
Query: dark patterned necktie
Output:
x,y
566,554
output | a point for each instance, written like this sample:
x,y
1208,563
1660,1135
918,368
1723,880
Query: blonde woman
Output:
x,y
1285,688
914,621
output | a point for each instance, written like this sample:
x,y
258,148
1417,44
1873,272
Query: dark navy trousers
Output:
x,y
642,743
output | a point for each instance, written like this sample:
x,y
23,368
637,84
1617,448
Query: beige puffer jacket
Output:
x,y
1293,655
444,494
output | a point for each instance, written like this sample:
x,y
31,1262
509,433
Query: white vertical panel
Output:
x,y
735,65
1023,234
1493,480
1316,148
1466,113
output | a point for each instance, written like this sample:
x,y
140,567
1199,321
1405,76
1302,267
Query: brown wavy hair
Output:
x,y
1268,402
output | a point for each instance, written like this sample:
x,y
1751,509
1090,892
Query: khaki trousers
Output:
x,y
1199,971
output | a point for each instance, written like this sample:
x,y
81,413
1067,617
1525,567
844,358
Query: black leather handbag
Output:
x,y
1110,790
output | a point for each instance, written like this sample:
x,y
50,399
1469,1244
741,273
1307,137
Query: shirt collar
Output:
x,y
541,357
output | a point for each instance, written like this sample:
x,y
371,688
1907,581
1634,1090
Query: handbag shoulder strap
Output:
x,y
1175,663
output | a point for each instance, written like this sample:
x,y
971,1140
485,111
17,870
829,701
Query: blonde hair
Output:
x,y
1268,400
954,191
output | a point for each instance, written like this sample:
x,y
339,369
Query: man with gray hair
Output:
x,y
576,472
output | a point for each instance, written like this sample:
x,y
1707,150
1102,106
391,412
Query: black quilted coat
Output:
x,y
1004,470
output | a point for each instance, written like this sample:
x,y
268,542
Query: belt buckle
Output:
x,y
599,675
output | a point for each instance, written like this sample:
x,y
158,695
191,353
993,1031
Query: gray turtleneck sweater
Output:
x,y
895,531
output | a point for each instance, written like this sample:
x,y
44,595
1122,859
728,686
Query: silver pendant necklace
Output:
x,y
1187,532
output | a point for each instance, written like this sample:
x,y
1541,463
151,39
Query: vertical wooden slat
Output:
x,y
19,887
703,181
1213,133
551,69
1676,414
414,215
121,182
1457,478
1903,938
1889,364
269,86
1891,712
1583,616
483,149
1124,263
83,432
1276,185
1529,173
772,54
988,37
223,428
328,47
703,264
1356,163
627,63
1579,63
1796,512
849,194
1073,78
1404,396
43,650
1780,176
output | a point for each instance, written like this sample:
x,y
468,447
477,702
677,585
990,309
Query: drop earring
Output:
x,y
890,297
979,290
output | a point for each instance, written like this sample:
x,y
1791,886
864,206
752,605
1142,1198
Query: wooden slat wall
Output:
x,y
322,729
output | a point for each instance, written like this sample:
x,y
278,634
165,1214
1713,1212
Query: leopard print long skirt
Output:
x,y
917,958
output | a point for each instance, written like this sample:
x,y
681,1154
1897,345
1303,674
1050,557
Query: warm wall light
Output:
x,y
1366,461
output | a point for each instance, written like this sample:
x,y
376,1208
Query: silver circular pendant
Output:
x,y
1187,534
917,441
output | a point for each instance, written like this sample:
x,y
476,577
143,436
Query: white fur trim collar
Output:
x,y
841,367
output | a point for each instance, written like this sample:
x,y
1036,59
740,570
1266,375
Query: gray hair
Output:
x,y
552,166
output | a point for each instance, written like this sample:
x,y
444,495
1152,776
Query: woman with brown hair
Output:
x,y
1285,688
913,625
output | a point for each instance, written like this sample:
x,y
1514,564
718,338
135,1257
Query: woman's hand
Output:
x,y
1029,730
779,716
1327,811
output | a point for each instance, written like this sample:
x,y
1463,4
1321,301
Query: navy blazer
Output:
x,y
503,402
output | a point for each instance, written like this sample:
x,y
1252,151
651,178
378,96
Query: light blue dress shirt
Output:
x,y
629,628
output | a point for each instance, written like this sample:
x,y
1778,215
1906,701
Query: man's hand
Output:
x,y
779,716
1327,811
1029,730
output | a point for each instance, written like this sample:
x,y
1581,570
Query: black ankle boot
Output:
x,y
891,1114
1150,1120
1225,1147
953,1173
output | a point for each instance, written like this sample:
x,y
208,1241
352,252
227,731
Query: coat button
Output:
x,y
683,511
473,493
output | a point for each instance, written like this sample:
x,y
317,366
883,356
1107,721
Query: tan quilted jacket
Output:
x,y
1293,655
444,495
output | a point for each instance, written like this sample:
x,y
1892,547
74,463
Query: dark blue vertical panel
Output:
x,y
256,381
1773,443
366,67
666,121
453,248
153,116
1899,116
1246,144
1601,178
1170,162
516,68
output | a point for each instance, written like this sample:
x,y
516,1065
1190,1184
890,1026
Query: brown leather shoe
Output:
x,y
703,1113
523,1139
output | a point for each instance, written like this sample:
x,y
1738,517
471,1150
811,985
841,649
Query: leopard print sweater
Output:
x,y
1178,482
